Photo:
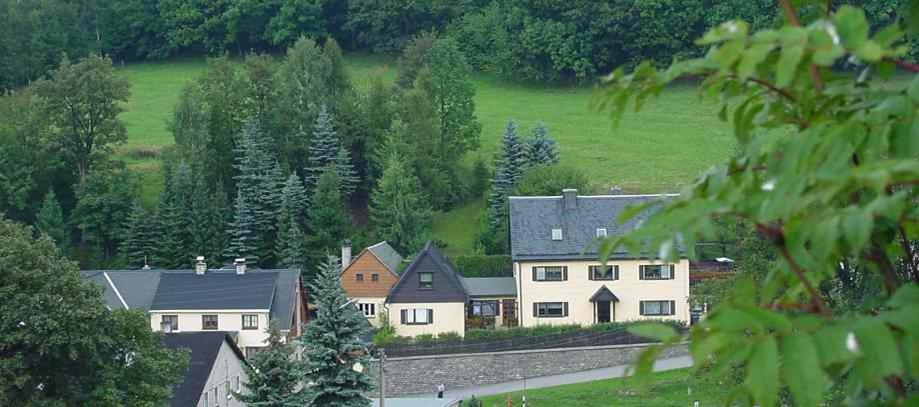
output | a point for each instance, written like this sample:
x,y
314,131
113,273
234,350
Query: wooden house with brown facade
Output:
x,y
369,277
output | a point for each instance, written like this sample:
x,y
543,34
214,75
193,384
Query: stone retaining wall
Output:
x,y
422,374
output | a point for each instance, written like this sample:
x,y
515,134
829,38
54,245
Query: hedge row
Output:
x,y
480,265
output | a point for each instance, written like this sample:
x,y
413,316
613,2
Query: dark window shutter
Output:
x,y
535,310
565,309
641,272
565,273
641,308
590,273
402,314
672,269
672,307
615,272
534,273
430,316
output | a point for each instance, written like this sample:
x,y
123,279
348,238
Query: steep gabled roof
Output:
x,y
533,218
384,253
204,348
387,255
448,284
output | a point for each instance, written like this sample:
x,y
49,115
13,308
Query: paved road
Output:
x,y
555,380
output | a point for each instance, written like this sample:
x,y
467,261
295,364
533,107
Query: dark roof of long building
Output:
x,y
448,285
387,255
533,218
217,289
204,348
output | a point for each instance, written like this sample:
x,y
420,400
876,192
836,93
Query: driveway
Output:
x,y
556,380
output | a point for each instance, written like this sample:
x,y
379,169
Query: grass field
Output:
x,y
660,149
668,388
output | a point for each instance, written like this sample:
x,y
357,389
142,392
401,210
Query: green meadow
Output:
x,y
663,147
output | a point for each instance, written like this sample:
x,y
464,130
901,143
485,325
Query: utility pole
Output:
x,y
382,378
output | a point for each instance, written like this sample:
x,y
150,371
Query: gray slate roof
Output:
x,y
387,255
204,348
218,289
533,218
491,286
215,291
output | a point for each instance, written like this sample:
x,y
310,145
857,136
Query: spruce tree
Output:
x,y
509,167
399,210
243,240
207,223
294,199
140,237
327,217
326,150
273,374
540,148
332,346
290,250
259,181
171,221
50,221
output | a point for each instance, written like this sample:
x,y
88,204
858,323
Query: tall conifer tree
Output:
x,y
509,167
400,212
140,237
327,216
243,240
171,251
332,346
273,374
326,150
540,148
50,221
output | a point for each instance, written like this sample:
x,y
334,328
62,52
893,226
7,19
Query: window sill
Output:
x,y
550,316
417,323
250,329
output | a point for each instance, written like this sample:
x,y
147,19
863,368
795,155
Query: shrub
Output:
x,y
449,337
551,180
478,265
144,152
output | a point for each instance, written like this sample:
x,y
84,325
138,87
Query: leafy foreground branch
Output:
x,y
826,170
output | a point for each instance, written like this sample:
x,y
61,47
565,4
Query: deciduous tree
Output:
x,y
829,188
83,101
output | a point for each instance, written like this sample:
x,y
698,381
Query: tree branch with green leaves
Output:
x,y
826,167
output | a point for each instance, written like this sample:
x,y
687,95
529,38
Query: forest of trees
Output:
x,y
554,40
277,159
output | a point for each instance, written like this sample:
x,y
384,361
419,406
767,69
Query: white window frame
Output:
x,y
557,234
593,276
173,317
249,327
601,232
478,308
542,309
663,308
369,309
216,322
541,273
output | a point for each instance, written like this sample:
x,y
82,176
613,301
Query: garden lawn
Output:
x,y
668,388
660,149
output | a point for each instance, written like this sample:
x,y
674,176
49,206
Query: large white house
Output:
x,y
560,280
238,300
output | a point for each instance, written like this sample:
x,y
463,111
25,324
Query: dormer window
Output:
x,y
557,234
425,281
601,232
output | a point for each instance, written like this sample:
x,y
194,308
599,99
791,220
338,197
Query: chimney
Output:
x,y
200,266
240,264
345,253
616,190
569,199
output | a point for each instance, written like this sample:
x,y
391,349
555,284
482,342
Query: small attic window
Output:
x,y
557,234
601,232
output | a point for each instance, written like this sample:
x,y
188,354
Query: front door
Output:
x,y
603,311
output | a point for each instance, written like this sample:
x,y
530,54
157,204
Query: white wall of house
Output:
x,y
448,317
191,321
578,289
377,308
227,371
